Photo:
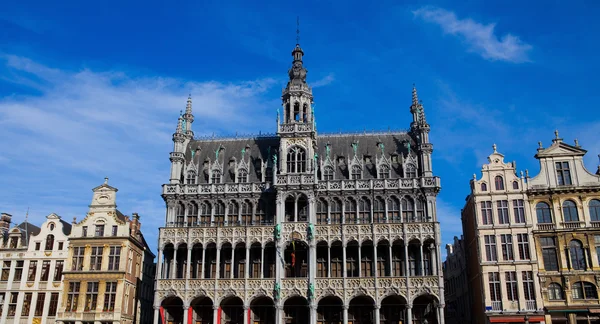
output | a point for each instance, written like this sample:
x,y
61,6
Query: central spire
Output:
x,y
298,72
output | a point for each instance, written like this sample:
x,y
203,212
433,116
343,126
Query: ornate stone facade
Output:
x,y
298,227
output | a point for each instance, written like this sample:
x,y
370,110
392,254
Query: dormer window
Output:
x,y
13,242
356,172
216,176
49,242
242,176
384,171
191,178
328,173
515,185
484,186
411,171
99,230
563,173
499,182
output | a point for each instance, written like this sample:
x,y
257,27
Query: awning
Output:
x,y
595,310
585,310
515,319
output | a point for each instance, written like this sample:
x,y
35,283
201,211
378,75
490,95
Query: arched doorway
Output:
x,y
263,311
393,310
171,310
330,310
201,310
361,310
425,307
232,309
295,310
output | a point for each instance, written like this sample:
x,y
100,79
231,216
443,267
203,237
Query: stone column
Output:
x,y
406,272
296,209
216,311
377,308
189,263
185,313
218,270
278,313
313,314
375,273
440,314
344,260
174,265
160,264
359,260
262,261
328,261
156,314
345,316
390,262
433,259
247,319
248,263
421,258
408,314
203,262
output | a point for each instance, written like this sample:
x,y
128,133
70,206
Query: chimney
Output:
x,y
449,249
5,220
135,224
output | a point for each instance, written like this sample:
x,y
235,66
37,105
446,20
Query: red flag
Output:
x,y
293,259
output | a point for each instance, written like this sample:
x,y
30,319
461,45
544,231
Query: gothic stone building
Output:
x,y
298,227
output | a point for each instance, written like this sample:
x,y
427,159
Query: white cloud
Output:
x,y
326,80
479,37
76,127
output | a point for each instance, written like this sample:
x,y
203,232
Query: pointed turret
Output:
x,y
419,129
188,118
180,140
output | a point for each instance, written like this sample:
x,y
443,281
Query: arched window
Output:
x,y
180,215
216,176
577,256
484,186
296,160
595,210
378,210
384,171
192,215
356,172
420,210
499,181
543,212
191,178
584,290
296,111
411,171
328,173
321,211
408,210
393,205
555,292
260,216
364,211
242,176
232,213
570,211
205,210
350,211
219,213
246,212
51,226
49,242
516,185
336,211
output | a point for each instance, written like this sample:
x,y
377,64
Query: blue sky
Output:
x,y
88,90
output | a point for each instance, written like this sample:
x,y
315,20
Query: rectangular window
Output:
x,y
110,294
37,246
503,212
26,304
494,279
597,240
490,248
507,247
91,297
78,258
84,231
60,246
519,211
563,173
18,271
366,267
53,304
96,258
2,299
73,296
321,268
5,271
114,258
511,285
523,242
336,268
58,269
115,229
32,270
12,304
486,213
99,230
39,304
45,270
528,285
549,256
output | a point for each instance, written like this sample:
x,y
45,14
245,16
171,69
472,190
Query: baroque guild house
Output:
x,y
300,227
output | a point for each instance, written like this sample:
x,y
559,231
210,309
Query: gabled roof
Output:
x,y
560,148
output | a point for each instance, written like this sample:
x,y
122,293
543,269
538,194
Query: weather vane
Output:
x,y
298,30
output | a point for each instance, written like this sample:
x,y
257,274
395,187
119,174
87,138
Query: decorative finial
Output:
x,y
540,144
415,97
576,143
556,133
298,30
474,176
521,174
105,180
526,173
494,147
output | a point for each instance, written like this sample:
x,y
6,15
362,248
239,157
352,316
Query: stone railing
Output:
x,y
376,184
295,127
214,188
366,231
571,225
546,227
295,179
204,235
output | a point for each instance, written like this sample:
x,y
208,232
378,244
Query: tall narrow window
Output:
x,y
499,182
420,210
384,171
53,304
205,210
91,297
356,172
296,160
115,230
242,176
99,230
511,286
58,269
191,178
490,248
515,185
114,258
594,210
507,247
484,186
26,304
180,214
523,242
410,171
544,215
110,294
321,211
32,270
393,210
549,256
232,213
503,217
45,270
486,213
219,213
246,212
12,304
378,210
350,211
327,173
494,280
563,173
39,304
49,242
519,211
192,214
336,211
528,289
73,296
570,211
18,271
78,258
84,231
364,211
577,255
96,258
5,270
408,210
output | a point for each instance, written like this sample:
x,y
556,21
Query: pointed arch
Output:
x,y
410,171
192,214
408,209
350,211
393,206
356,172
499,182
191,177
570,211
296,159
364,210
205,212
242,176
384,171
328,172
322,211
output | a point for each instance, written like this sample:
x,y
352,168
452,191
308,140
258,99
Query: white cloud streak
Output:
x,y
326,80
76,127
480,38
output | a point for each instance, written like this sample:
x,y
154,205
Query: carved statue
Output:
x,y
311,291
327,150
277,291
311,231
355,147
243,152
217,151
316,156
193,153
277,232
275,160
382,147
408,146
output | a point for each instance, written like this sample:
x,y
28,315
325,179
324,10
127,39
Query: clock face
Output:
x,y
103,199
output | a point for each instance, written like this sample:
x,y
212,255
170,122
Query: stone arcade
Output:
x,y
297,227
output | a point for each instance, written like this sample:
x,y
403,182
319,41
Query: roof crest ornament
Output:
x,y
297,30
494,147
355,147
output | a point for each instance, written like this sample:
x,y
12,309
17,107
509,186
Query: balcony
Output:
x,y
546,227
292,128
530,305
572,225
496,306
214,188
375,184
595,224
